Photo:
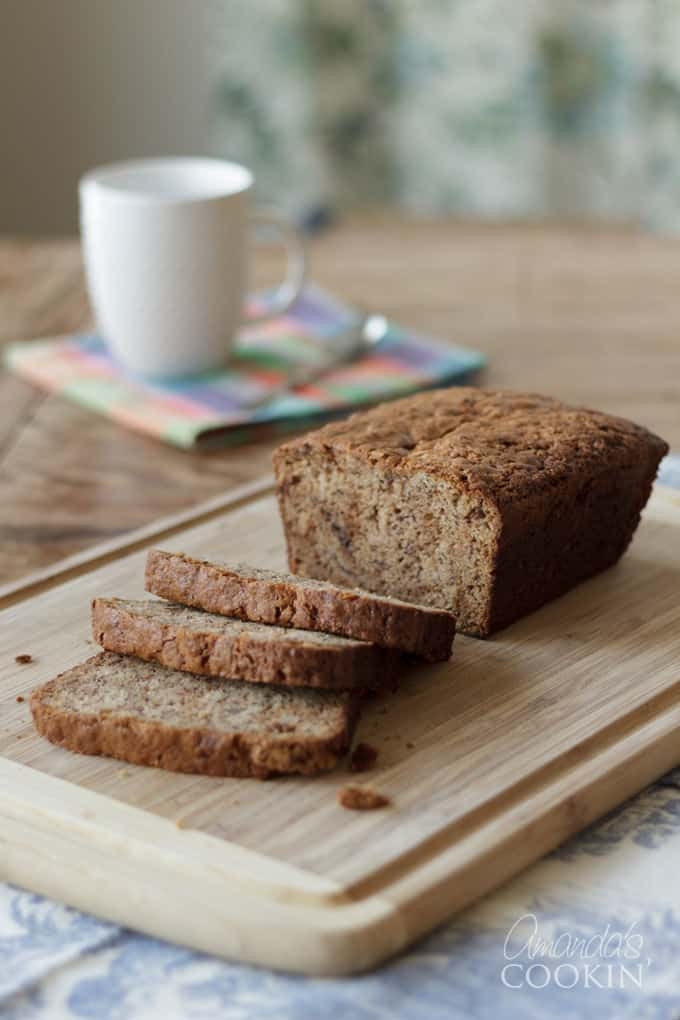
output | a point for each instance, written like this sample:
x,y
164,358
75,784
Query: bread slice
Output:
x,y
139,712
198,642
249,593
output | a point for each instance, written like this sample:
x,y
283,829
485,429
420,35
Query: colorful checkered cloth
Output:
x,y
245,400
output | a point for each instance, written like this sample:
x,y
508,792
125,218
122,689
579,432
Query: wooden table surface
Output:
x,y
589,315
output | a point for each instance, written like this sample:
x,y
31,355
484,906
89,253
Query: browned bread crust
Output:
x,y
483,503
206,643
125,708
249,593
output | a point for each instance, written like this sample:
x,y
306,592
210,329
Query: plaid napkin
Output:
x,y
247,398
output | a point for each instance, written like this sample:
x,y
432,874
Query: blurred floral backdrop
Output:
x,y
476,107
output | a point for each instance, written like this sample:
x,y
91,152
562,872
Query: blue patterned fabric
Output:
x,y
615,887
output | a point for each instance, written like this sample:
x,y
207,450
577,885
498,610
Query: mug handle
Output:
x,y
296,264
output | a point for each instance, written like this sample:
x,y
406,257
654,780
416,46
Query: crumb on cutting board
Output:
x,y
361,798
19,698
23,659
364,757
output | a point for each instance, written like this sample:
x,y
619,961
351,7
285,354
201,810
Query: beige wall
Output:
x,y
84,82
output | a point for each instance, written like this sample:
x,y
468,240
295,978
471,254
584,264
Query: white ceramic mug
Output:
x,y
165,249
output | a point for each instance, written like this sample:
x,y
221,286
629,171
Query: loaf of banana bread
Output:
x,y
484,503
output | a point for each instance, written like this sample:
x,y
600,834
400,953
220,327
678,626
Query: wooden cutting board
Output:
x,y
489,760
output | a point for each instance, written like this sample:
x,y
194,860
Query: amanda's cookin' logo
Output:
x,y
606,959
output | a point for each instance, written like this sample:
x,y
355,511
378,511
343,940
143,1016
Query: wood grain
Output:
x,y
489,760
590,315
157,530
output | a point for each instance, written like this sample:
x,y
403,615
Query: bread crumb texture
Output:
x,y
283,600
145,714
361,798
214,645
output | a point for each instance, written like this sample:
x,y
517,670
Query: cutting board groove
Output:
x,y
490,760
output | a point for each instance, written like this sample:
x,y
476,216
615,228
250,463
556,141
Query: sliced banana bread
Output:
x,y
483,503
206,643
249,593
145,714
